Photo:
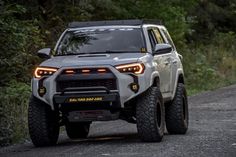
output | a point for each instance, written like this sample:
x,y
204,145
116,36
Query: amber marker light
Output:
x,y
102,70
42,71
70,71
85,71
136,68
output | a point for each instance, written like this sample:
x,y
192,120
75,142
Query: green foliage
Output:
x,y
13,112
212,16
19,41
211,66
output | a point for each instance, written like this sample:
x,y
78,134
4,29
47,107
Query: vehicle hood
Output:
x,y
92,59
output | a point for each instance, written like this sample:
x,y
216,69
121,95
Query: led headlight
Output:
x,y
43,71
136,68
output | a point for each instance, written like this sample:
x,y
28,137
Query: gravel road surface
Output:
x,y
212,132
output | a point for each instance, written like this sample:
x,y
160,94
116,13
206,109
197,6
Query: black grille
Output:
x,y
108,83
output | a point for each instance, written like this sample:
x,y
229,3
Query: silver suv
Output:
x,y
109,70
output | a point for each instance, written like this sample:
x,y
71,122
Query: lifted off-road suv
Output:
x,y
109,70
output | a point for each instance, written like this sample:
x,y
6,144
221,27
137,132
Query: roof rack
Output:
x,y
113,22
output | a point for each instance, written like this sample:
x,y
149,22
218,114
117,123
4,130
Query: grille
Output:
x,y
108,83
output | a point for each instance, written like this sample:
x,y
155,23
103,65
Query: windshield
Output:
x,y
103,40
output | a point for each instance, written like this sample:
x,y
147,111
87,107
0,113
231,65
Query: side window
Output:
x,y
152,38
158,36
168,38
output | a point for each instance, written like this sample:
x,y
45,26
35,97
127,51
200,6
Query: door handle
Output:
x,y
166,63
174,61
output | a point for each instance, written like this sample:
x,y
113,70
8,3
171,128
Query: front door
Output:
x,y
163,61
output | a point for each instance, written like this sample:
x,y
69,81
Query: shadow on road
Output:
x,y
111,138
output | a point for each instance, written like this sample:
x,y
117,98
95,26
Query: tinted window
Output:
x,y
158,36
168,38
152,38
101,40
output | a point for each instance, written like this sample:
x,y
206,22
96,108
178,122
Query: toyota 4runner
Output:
x,y
109,70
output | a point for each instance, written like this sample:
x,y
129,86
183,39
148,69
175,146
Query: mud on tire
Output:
x,y
43,123
150,115
177,112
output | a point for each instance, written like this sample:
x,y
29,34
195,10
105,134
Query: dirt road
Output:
x,y
212,132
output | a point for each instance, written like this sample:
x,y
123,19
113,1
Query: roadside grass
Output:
x,y
213,86
211,65
13,113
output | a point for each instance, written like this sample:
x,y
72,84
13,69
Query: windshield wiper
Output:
x,y
98,52
67,54
119,51
112,51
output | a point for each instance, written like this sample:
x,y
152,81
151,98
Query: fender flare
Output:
x,y
178,74
153,76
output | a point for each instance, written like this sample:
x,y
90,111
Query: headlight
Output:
x,y
136,68
42,71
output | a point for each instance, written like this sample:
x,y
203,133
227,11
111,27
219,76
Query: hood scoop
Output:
x,y
93,55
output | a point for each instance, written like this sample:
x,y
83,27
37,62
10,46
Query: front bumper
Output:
x,y
123,82
91,101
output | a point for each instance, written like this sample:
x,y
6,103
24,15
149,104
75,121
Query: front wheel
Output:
x,y
150,115
43,123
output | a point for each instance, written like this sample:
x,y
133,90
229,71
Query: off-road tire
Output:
x,y
43,123
77,130
150,115
177,112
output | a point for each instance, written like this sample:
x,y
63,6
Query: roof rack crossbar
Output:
x,y
113,22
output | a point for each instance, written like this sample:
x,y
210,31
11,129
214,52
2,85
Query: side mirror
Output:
x,y
162,49
44,53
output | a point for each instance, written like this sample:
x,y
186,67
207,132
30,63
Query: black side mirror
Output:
x,y
162,49
44,53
